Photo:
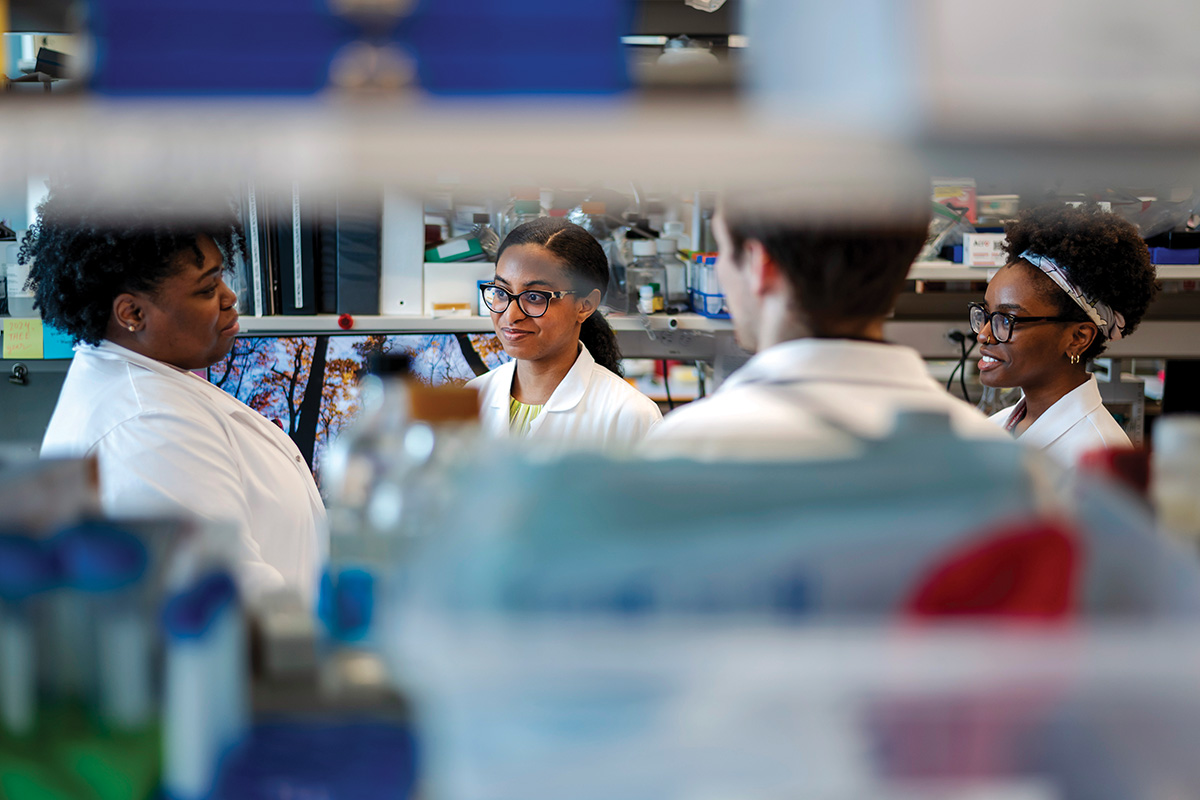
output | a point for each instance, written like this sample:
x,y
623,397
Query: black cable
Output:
x,y
956,337
962,372
961,367
667,384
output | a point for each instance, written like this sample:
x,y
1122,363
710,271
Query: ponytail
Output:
x,y
601,341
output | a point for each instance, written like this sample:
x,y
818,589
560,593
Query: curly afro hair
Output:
x,y
86,250
1102,254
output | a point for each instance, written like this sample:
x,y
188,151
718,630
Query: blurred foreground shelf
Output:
x,y
667,140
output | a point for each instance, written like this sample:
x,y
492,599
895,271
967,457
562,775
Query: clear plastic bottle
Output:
x,y
406,452
360,459
524,206
1175,476
592,216
635,227
489,240
667,250
646,270
443,429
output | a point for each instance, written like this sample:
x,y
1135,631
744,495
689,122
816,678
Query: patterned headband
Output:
x,y
1111,323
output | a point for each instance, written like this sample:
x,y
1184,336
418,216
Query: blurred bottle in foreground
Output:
x,y
1175,476
390,487
362,455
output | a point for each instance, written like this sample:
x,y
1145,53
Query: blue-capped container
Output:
x,y
102,630
26,572
205,694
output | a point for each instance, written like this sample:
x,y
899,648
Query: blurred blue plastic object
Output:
x,y
96,557
190,614
286,47
346,604
26,568
521,46
349,761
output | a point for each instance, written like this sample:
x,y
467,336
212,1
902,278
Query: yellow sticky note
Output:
x,y
22,337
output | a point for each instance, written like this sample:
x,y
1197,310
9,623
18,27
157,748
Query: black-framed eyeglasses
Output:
x,y
1002,324
533,303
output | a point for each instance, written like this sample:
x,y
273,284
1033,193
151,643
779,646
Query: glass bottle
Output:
x,y
524,205
360,458
593,217
667,250
489,240
646,270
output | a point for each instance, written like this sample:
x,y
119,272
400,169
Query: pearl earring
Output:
x,y
131,328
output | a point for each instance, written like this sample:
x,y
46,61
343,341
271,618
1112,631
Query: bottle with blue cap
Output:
x,y
205,695
26,573
101,607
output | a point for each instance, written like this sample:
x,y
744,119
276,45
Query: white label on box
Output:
x,y
453,248
983,249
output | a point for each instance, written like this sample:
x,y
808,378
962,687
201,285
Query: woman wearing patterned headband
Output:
x,y
1076,278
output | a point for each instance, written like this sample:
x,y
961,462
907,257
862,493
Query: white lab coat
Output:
x,y
591,408
810,398
168,441
1077,423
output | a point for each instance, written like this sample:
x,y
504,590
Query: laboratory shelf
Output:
x,y
328,323
949,271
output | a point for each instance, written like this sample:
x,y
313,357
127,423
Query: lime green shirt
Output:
x,y
521,415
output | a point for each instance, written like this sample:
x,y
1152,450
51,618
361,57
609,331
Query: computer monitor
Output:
x,y
273,375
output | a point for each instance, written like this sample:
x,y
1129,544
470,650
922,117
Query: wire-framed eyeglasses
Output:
x,y
1002,324
533,303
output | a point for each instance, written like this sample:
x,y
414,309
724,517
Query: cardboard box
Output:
x,y
452,289
984,250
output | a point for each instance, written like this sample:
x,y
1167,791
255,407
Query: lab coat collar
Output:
x,y
111,351
1062,416
837,360
566,395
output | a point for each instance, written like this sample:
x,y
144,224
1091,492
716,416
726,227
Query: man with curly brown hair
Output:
x,y
1076,279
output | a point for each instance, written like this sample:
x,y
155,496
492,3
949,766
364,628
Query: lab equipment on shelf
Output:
x,y
488,239
705,291
646,272
676,287
523,206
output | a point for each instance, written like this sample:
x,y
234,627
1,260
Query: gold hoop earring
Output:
x,y
1075,358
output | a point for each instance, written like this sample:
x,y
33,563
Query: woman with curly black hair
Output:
x,y
564,383
1076,279
141,291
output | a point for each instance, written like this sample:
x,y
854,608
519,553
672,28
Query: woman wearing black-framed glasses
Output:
x,y
1076,279
563,386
